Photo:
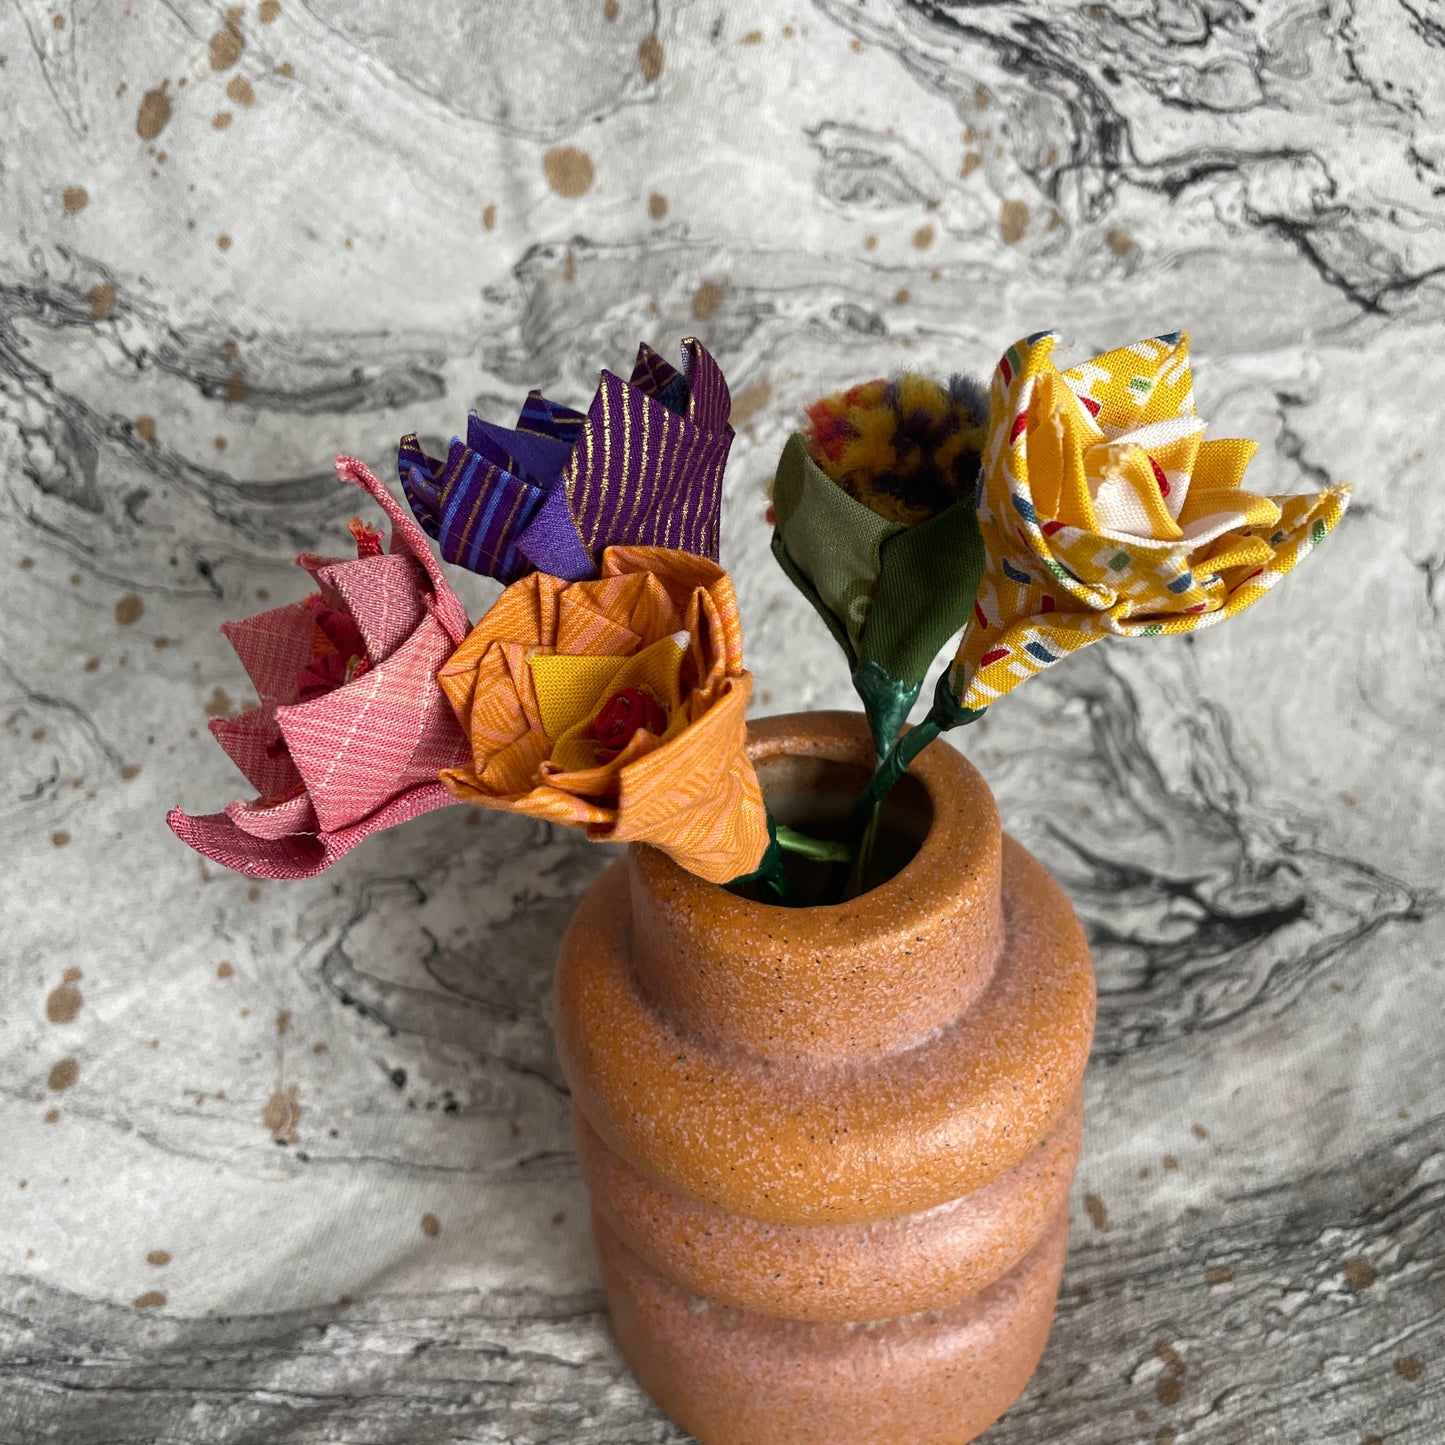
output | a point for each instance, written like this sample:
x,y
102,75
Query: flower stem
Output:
x,y
943,715
820,849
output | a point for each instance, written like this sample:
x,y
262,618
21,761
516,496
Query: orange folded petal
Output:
x,y
692,792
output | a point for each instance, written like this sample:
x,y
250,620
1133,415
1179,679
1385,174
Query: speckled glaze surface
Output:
x,y
829,1149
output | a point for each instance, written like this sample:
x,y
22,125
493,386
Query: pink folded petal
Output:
x,y
363,755
254,743
388,730
383,595
275,820
302,855
407,536
273,647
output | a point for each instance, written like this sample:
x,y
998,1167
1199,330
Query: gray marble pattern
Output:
x,y
290,1162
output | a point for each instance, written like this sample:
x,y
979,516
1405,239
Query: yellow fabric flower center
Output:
x,y
571,691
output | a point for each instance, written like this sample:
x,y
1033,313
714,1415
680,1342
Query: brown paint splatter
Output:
x,y
568,170
63,1075
221,120
1218,1274
923,238
980,98
749,402
130,771
270,11
1164,1435
1360,1273
59,838
1199,1131
1409,1368
225,970
560,1217
611,10
154,113
706,300
283,1022
145,428
489,218
569,266
75,199
1097,1212
63,1002
1171,1359
1373,1440
283,1113
1119,242
159,1257
219,444
226,47
649,58
431,1226
1167,1390
236,387
102,299
971,162
219,704
753,37
870,243
901,296
223,242
1013,221
1170,1163
656,206
52,1116
254,892
152,1299
129,609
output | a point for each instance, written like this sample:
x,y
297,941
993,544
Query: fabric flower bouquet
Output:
x,y
605,687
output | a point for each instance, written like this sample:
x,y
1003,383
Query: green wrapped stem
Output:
x,y
943,715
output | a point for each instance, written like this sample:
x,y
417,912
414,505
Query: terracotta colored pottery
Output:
x,y
829,1149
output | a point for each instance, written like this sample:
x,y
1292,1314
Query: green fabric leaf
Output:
x,y
796,577
928,577
833,540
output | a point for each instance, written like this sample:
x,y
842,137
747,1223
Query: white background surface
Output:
x,y
1250,822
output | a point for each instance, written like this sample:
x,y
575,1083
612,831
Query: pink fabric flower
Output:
x,y
352,729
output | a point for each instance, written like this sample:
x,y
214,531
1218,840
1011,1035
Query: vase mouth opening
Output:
x,y
814,794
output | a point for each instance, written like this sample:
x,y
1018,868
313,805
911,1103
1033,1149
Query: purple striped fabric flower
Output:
x,y
642,467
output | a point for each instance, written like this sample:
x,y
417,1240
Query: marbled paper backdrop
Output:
x,y
289,1163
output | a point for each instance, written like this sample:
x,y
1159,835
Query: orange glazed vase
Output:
x,y
829,1149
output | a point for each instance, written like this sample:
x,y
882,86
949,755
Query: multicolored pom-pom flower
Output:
x,y
905,448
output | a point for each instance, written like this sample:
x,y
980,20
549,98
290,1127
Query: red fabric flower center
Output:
x,y
338,655
621,716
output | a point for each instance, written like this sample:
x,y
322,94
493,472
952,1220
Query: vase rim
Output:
x,y
963,814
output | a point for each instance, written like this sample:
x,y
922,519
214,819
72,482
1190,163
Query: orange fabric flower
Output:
x,y
655,637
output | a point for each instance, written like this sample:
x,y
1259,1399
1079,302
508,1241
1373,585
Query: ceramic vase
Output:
x,y
829,1148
